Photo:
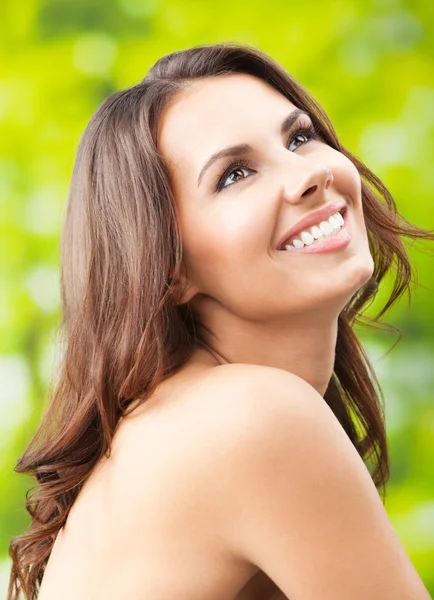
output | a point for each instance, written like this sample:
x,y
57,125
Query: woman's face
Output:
x,y
232,220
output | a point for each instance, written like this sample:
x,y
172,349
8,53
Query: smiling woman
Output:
x,y
216,432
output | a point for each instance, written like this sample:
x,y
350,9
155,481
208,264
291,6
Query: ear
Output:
x,y
183,288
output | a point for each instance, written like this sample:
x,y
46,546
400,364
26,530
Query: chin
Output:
x,y
366,270
352,281
359,277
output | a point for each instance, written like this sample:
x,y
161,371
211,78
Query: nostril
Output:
x,y
310,190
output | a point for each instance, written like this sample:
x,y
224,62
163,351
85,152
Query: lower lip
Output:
x,y
335,242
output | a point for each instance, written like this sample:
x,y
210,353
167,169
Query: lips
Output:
x,y
312,219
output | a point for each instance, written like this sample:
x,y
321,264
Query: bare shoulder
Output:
x,y
239,385
291,494
246,403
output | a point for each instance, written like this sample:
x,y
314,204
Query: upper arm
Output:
x,y
297,500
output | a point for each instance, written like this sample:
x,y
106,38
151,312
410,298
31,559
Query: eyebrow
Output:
x,y
243,149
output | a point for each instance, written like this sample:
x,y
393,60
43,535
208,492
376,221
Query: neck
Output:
x,y
304,346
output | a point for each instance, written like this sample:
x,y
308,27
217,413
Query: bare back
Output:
x,y
225,472
136,530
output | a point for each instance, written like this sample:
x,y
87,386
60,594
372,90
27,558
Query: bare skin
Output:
x,y
94,553
200,489
256,305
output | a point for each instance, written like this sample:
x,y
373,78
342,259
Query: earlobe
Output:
x,y
183,289
188,294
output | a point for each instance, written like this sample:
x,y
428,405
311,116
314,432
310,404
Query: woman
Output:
x,y
210,434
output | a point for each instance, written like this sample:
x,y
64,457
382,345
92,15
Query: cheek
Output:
x,y
347,178
221,235
207,242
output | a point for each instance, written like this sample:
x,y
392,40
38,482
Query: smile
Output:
x,y
327,236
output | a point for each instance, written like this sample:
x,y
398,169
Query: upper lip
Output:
x,y
312,219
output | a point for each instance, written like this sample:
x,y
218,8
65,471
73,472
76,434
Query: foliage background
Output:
x,y
369,63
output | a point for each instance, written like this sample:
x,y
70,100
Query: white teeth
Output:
x,y
307,238
325,229
334,222
316,232
339,218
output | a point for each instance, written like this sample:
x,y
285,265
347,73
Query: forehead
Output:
x,y
217,112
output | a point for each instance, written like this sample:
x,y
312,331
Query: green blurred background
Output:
x,y
370,65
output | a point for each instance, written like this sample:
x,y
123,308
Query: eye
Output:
x,y
239,167
303,131
234,168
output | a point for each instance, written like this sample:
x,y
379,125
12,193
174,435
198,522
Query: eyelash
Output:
x,y
310,130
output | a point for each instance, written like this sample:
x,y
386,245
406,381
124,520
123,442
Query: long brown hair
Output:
x,y
122,327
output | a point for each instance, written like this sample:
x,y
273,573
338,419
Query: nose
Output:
x,y
310,179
